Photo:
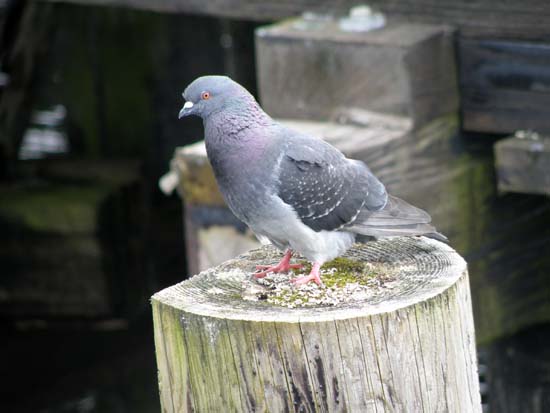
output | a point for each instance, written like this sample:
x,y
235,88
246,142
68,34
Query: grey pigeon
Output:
x,y
294,190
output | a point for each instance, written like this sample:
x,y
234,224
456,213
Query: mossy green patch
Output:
x,y
289,297
344,280
341,271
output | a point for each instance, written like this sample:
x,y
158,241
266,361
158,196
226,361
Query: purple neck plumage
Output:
x,y
237,138
235,124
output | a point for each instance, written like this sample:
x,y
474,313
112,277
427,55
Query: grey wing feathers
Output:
x,y
326,190
330,192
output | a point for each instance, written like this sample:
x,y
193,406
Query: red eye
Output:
x,y
205,95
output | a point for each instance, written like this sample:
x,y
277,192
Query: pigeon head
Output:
x,y
210,94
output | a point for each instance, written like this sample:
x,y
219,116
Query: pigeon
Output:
x,y
293,190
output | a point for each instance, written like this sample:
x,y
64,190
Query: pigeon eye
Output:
x,y
205,95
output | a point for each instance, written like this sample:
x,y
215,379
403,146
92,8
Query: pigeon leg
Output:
x,y
313,276
283,266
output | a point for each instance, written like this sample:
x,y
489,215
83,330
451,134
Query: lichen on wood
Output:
x,y
344,280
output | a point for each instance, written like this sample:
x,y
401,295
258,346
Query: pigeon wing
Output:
x,y
326,190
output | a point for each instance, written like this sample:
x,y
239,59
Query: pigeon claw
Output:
x,y
313,276
283,266
307,278
274,268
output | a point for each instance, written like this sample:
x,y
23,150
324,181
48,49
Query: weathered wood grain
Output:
x,y
510,19
505,85
402,69
408,350
523,165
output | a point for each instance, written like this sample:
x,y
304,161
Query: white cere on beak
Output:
x,y
188,105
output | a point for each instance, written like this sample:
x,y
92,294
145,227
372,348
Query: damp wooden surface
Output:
x,y
505,85
403,69
410,349
523,165
473,18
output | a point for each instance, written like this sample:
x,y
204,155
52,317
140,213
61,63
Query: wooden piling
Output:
x,y
407,345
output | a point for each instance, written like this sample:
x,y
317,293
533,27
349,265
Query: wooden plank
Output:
x,y
356,370
324,353
210,360
249,374
523,165
505,85
271,368
169,345
402,69
492,18
297,368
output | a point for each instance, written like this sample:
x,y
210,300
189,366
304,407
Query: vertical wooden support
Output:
x,y
523,163
409,347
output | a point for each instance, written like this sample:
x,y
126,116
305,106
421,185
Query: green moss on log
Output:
x,y
341,271
343,279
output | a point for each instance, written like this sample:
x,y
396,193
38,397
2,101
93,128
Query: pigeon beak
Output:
x,y
186,110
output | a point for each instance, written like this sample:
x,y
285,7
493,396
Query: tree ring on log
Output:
x,y
423,268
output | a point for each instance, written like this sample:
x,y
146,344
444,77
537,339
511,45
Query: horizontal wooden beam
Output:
x,y
485,18
403,69
505,85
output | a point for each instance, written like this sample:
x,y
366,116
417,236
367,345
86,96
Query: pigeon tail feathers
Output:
x,y
397,218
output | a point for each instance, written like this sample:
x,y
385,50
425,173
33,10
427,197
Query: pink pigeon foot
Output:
x,y
313,276
283,266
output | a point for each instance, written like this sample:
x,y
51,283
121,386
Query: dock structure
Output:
x,y
405,344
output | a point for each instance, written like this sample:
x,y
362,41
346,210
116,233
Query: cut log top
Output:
x,y
414,270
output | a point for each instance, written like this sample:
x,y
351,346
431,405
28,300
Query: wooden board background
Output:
x,y
489,18
505,85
